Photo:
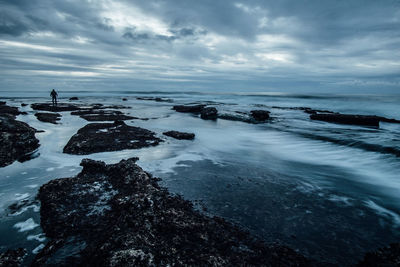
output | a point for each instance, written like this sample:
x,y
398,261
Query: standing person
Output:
x,y
54,95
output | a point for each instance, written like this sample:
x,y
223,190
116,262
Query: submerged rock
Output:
x,y
189,108
48,117
102,115
118,215
12,257
157,99
74,98
101,137
260,115
180,135
363,120
209,113
17,140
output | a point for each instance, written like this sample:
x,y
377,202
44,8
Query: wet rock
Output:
x,y
3,102
102,115
101,137
209,113
12,111
74,98
260,115
17,140
56,108
362,120
157,99
12,257
60,107
118,215
124,99
48,117
180,135
23,105
189,108
239,116
387,256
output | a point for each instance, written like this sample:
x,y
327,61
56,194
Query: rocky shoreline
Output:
x,y
17,138
118,215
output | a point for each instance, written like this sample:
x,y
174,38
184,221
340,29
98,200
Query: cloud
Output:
x,y
207,45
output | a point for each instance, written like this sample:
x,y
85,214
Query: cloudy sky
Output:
x,y
202,45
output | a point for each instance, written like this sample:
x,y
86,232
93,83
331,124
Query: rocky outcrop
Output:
x,y
17,140
118,215
12,111
189,108
102,115
387,256
157,99
260,115
48,117
74,98
363,120
12,257
180,135
60,107
209,113
101,137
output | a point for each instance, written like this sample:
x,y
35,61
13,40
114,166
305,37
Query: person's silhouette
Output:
x,y
54,95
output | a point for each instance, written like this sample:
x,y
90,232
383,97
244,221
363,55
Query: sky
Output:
x,y
319,46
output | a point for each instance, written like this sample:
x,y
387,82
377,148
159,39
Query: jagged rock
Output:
x,y
189,108
209,113
17,140
48,117
74,98
12,257
12,111
180,135
363,120
387,256
101,137
260,115
102,115
118,215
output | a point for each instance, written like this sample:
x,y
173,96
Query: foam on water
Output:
x,y
27,225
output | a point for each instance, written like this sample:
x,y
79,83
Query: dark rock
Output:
x,y
239,116
102,115
118,215
209,113
17,140
387,256
363,120
48,117
260,115
101,137
60,107
74,98
180,135
157,99
2,103
23,105
189,108
12,111
12,257
124,99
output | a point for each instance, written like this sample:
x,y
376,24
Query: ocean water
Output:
x,y
329,191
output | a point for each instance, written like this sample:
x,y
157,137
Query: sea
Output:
x,y
329,191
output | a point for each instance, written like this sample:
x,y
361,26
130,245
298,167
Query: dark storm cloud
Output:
x,y
229,44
